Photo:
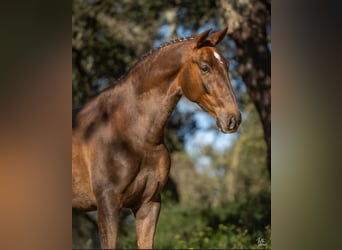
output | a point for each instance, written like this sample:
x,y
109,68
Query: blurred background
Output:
x,y
219,190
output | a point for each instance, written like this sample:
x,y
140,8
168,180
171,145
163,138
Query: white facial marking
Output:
x,y
218,57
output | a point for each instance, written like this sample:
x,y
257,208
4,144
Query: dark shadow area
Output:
x,y
85,230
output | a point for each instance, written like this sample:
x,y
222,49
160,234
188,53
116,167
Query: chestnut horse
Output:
x,y
119,158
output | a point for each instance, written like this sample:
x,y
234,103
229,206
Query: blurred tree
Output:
x,y
245,173
249,23
240,171
108,36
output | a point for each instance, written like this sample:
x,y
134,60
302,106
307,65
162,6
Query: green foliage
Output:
x,y
224,237
235,226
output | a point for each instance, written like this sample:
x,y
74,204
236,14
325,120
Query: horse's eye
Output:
x,y
205,68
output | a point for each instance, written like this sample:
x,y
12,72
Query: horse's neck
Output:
x,y
159,90
154,106
154,93
163,111
141,102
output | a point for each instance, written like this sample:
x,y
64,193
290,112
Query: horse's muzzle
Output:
x,y
228,124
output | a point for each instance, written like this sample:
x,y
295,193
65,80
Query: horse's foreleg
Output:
x,y
108,218
146,221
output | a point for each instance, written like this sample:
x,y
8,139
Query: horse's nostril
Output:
x,y
231,123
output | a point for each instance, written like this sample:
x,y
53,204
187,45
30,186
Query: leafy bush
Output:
x,y
234,226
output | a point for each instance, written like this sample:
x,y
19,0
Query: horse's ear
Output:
x,y
218,36
201,39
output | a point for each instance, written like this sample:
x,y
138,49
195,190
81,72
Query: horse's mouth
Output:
x,y
228,125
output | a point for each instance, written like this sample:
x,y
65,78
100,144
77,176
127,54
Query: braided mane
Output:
x,y
165,44
152,51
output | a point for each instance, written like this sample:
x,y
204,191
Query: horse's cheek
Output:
x,y
190,91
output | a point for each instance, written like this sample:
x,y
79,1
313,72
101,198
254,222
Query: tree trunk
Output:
x,y
254,59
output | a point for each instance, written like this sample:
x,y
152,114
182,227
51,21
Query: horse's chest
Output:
x,y
150,179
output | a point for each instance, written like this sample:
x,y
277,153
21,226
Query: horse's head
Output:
x,y
205,80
